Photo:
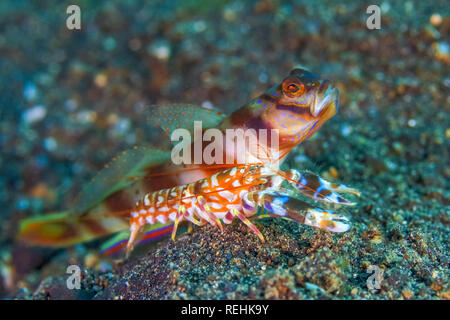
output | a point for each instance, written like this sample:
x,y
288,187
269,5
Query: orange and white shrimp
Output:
x,y
237,193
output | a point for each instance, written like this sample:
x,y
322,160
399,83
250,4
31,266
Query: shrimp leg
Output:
x,y
243,218
134,228
204,207
180,215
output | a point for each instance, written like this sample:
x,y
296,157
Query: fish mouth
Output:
x,y
327,100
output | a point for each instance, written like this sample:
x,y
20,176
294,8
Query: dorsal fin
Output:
x,y
173,116
122,171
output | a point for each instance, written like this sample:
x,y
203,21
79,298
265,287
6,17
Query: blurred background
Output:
x,y
71,99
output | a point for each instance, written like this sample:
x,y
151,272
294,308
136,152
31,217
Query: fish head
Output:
x,y
294,109
300,105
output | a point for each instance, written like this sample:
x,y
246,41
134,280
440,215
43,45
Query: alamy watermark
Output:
x,y
74,280
73,21
374,280
236,146
374,20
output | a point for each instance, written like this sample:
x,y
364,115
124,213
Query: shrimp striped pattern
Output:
x,y
210,200
238,192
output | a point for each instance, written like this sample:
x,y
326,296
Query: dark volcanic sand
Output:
x,y
71,100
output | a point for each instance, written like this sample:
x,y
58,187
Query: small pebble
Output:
x,y
35,114
101,80
436,19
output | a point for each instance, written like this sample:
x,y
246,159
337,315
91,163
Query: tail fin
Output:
x,y
64,229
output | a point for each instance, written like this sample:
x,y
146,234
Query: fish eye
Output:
x,y
293,88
